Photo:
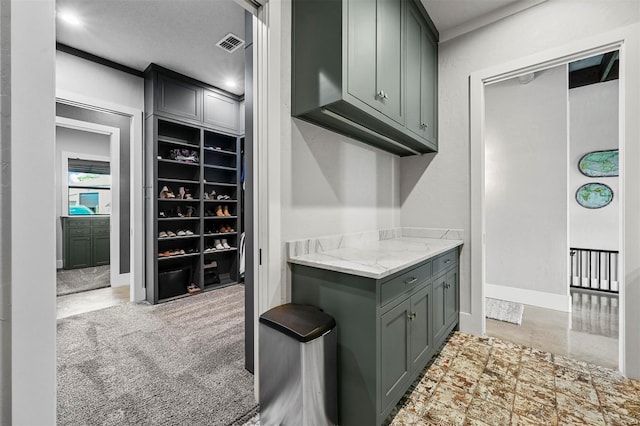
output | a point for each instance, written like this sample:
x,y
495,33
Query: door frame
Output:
x,y
116,279
135,277
475,322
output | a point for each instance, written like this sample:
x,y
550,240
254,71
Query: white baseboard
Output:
x,y
469,324
119,280
59,264
540,299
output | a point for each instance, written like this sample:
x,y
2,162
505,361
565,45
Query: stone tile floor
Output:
x,y
485,381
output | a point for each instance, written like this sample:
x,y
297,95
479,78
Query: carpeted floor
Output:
x,y
484,381
176,363
70,281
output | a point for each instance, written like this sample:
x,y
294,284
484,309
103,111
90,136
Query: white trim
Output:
x,y
116,278
136,280
567,53
557,302
487,19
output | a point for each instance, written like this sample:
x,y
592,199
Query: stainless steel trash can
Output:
x,y
297,366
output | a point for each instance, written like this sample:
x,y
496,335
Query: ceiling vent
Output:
x,y
230,43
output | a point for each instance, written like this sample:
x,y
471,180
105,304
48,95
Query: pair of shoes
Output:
x,y
209,249
184,193
223,197
193,288
191,211
221,244
224,229
222,212
166,193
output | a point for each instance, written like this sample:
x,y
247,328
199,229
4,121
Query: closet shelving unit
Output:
x,y
175,262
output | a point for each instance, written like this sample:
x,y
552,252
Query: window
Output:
x,y
89,187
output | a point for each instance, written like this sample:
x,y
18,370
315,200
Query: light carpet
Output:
x,y
180,362
504,310
69,281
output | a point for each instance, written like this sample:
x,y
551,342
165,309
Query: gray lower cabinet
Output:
x,y
86,241
388,329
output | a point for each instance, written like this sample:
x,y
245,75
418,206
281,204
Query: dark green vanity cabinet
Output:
x,y
368,70
86,241
388,329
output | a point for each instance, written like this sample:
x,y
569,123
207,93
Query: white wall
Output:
x,y
437,194
80,142
593,124
79,76
320,183
526,183
31,225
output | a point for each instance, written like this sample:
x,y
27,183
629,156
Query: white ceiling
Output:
x,y
181,34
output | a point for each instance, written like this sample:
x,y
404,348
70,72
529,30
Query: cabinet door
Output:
x,y
79,251
221,112
413,73
394,351
429,87
389,58
420,327
451,297
179,98
439,315
101,246
361,50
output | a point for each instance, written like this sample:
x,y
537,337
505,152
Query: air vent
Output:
x,y
230,43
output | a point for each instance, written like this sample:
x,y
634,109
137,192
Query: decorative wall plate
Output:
x,y
599,163
594,195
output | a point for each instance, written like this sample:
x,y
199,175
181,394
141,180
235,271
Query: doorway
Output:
x,y
519,68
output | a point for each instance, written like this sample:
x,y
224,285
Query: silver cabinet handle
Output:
x,y
425,125
411,316
380,94
384,95
410,280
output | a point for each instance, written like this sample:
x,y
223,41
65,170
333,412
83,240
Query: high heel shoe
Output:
x,y
179,212
191,211
219,212
226,211
164,192
181,193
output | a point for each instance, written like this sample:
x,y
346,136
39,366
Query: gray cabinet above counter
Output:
x,y
368,70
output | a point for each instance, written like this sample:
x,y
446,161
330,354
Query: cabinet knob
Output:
x,y
380,94
447,285
411,315
425,125
384,95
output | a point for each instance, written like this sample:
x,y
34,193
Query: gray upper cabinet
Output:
x,y
421,76
178,98
221,112
361,69
175,96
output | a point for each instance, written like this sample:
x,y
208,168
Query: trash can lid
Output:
x,y
301,322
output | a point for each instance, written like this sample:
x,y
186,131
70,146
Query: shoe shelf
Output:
x,y
213,168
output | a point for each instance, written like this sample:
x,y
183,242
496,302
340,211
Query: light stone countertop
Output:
x,y
391,253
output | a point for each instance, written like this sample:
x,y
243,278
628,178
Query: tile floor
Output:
x,y
487,381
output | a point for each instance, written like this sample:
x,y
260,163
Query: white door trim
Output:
x,y
116,278
136,279
475,321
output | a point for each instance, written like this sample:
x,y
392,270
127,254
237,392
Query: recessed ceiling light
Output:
x,y
230,83
70,18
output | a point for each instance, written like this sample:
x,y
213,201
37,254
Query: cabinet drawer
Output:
x,y
100,222
100,231
444,261
79,232
405,282
78,223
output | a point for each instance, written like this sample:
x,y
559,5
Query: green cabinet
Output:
x,y
386,329
445,302
421,78
86,241
355,72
